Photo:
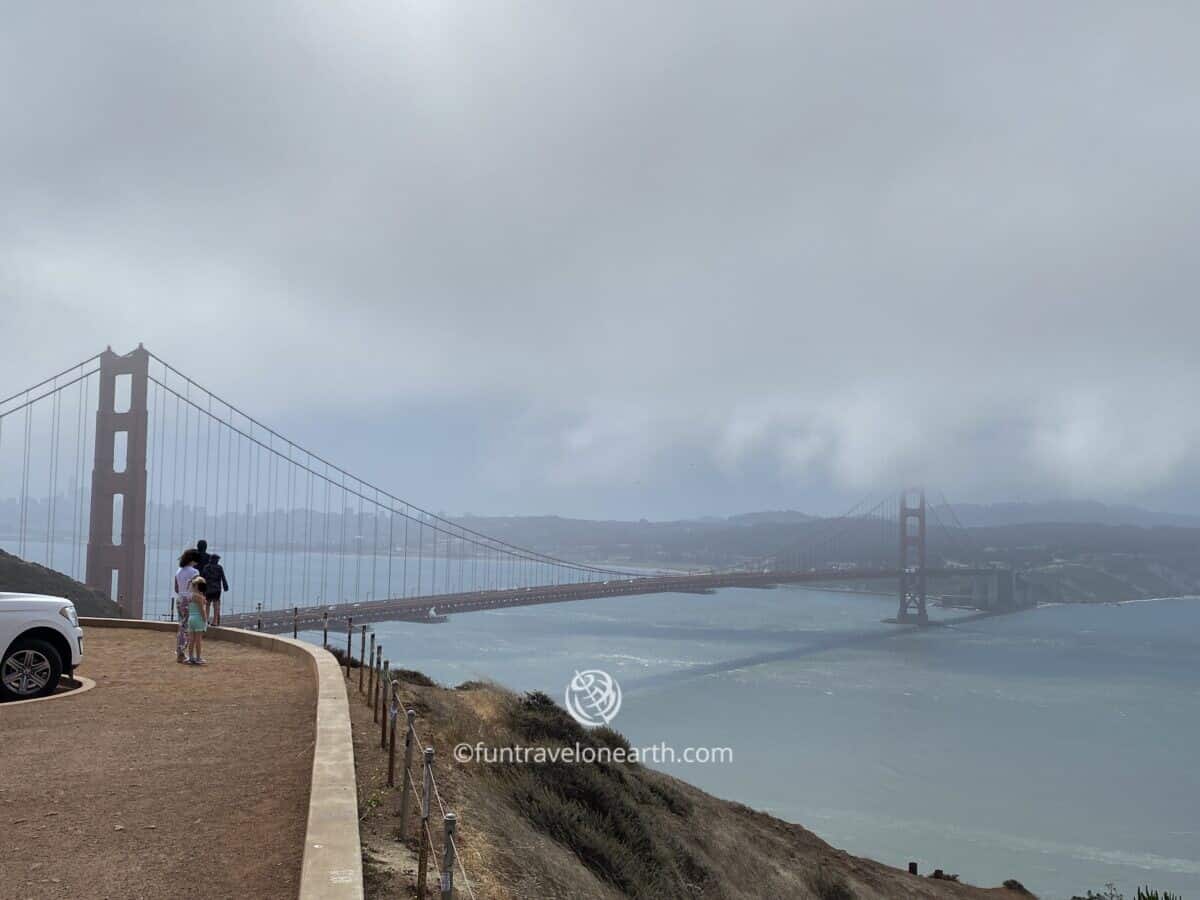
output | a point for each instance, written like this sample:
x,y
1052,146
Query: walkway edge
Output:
x,y
332,866
85,685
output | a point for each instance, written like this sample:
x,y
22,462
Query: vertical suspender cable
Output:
x,y
78,486
358,547
325,537
308,486
433,561
391,546
236,500
404,575
25,474
54,445
252,481
342,548
287,589
268,544
205,528
420,551
375,544
85,503
230,493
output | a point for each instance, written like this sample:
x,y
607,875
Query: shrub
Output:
x,y
601,812
473,686
829,885
538,718
408,676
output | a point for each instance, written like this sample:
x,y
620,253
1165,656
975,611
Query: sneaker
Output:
x,y
180,658
199,661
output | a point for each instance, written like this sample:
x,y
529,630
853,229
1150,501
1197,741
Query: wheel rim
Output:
x,y
26,672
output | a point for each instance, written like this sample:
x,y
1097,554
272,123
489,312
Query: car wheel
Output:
x,y
31,668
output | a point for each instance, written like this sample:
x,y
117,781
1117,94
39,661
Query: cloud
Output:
x,y
803,250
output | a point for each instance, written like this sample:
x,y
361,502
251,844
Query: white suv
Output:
x,y
40,640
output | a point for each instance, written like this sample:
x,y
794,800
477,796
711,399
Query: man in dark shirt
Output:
x,y
202,549
215,581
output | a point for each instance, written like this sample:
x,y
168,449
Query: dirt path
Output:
x,y
164,781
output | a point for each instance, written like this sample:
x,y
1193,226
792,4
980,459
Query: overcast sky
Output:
x,y
631,259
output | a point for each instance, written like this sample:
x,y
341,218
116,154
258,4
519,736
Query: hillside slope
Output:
x,y
18,576
592,831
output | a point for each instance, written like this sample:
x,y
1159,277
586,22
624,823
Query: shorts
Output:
x,y
196,623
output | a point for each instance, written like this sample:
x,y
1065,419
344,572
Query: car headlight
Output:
x,y
68,613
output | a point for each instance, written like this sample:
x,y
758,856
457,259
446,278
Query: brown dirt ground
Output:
x,y
165,780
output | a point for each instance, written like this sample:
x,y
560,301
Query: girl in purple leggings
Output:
x,y
182,585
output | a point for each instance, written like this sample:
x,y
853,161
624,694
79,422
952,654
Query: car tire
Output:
x,y
31,668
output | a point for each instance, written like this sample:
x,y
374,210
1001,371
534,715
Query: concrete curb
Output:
x,y
85,685
332,867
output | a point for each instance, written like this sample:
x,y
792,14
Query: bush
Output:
x,y
830,886
601,812
408,676
473,686
538,718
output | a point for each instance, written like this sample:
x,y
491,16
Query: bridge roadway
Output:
x,y
431,608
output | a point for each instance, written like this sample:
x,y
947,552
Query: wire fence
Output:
x,y
420,793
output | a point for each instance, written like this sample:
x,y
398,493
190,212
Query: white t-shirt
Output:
x,y
182,578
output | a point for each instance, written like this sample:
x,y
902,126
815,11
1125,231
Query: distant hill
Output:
x,y
771,517
1082,512
20,577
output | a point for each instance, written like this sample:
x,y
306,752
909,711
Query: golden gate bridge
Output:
x,y
119,462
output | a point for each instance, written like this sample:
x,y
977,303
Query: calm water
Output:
x,y
1056,746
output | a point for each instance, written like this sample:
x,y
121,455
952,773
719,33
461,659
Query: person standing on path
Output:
x,y
202,557
214,577
182,584
197,621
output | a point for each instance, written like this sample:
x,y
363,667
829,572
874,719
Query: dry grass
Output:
x,y
594,832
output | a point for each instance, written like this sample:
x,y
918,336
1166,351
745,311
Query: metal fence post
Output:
x,y
378,683
408,752
362,659
370,661
325,629
393,715
383,703
349,644
295,621
422,840
258,624
448,827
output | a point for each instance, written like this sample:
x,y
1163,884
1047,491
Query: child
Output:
x,y
181,585
197,621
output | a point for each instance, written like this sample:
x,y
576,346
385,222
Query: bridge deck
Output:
x,y
419,608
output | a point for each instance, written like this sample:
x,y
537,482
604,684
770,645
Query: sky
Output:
x,y
630,260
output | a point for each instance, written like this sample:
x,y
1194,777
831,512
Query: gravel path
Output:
x,y
163,781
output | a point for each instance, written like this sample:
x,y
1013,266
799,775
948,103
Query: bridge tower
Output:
x,y
119,475
912,557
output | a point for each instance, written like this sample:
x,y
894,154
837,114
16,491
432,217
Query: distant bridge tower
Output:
x,y
119,471
912,557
